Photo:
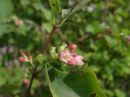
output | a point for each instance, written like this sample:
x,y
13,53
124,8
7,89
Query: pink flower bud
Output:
x,y
26,82
128,38
18,22
21,59
72,46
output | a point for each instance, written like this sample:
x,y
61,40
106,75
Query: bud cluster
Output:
x,y
70,57
25,58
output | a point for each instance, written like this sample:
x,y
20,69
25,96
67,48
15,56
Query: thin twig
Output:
x,y
63,37
34,72
55,29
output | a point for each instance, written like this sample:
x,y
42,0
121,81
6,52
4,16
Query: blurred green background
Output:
x,y
101,30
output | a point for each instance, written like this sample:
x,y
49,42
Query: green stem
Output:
x,y
47,75
34,72
49,82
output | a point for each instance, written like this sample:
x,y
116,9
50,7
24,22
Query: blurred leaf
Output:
x,y
41,58
85,83
111,41
65,12
81,84
3,76
6,8
80,5
120,93
62,90
5,28
24,2
47,27
35,83
55,6
2,81
90,28
10,88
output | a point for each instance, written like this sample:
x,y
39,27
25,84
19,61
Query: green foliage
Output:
x,y
81,84
100,28
6,8
55,6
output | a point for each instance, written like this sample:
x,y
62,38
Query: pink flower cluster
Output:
x,y
69,56
25,57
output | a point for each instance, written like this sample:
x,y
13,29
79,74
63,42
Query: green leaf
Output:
x,y
78,84
120,93
55,6
41,58
80,5
62,90
85,83
58,88
6,8
9,88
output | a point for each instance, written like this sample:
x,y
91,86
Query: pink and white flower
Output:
x,y
71,58
65,56
78,60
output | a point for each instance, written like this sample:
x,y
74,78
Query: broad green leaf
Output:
x,y
6,8
58,88
62,90
85,83
120,93
78,84
55,6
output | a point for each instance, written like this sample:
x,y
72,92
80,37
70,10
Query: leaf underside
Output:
x,y
81,84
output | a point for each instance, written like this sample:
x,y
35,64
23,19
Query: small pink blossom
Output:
x,y
70,57
65,56
78,60
21,59
18,22
26,82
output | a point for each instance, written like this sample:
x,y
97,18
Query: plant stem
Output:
x,y
34,72
55,29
